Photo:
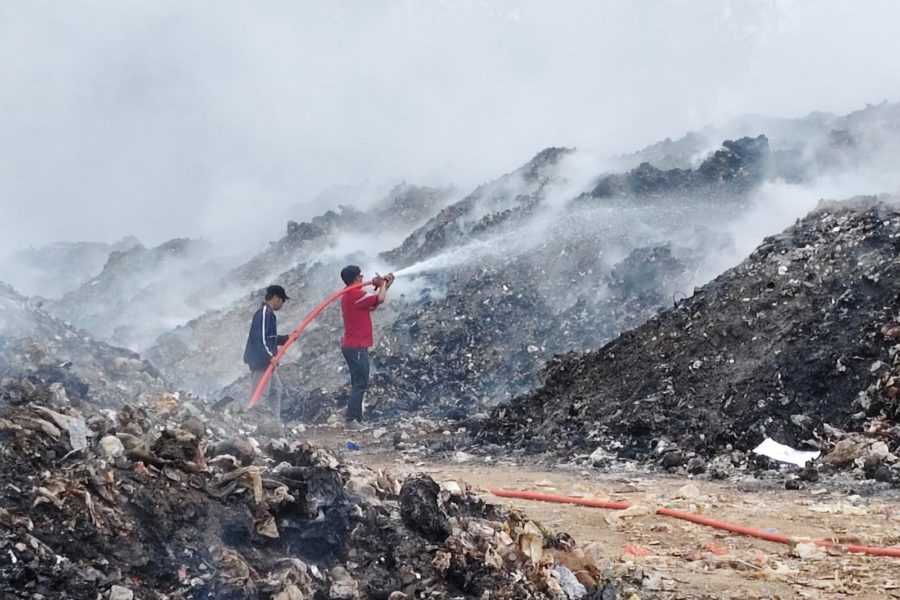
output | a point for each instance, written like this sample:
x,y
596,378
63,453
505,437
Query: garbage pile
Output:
x,y
403,208
164,500
204,354
477,335
508,198
798,343
51,271
35,343
131,300
801,149
549,258
454,341
736,168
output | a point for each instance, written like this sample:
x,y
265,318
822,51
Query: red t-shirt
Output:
x,y
357,307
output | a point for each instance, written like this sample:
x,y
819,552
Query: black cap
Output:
x,y
350,273
276,290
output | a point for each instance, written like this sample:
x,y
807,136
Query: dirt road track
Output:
x,y
682,560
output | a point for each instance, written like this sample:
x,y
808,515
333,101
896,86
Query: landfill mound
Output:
x,y
404,207
476,335
204,354
55,269
507,199
736,168
797,343
802,148
161,499
476,330
35,343
142,292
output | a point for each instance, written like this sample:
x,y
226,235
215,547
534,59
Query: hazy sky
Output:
x,y
166,119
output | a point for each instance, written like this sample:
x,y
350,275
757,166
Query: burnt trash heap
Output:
x,y
799,343
159,499
479,332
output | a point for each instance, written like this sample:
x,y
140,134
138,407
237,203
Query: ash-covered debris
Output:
x,y
55,269
404,207
204,353
456,341
481,334
797,343
801,148
735,169
133,299
510,197
161,501
43,348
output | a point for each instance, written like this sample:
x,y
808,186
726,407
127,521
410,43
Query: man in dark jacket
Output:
x,y
356,308
262,344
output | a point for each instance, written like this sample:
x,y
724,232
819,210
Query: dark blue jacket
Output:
x,y
263,339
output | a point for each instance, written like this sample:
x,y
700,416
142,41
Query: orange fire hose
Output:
x,y
294,335
893,552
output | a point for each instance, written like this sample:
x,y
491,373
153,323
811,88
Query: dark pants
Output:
x,y
358,361
272,393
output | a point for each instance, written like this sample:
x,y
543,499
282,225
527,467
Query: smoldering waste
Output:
x,y
160,499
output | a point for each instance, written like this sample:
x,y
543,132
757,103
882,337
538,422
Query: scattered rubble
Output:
x,y
148,504
35,343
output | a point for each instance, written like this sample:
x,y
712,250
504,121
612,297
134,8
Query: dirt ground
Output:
x,y
678,559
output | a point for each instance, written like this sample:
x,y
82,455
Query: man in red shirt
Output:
x,y
356,308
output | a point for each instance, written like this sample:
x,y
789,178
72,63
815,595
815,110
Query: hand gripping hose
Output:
x,y
294,335
893,552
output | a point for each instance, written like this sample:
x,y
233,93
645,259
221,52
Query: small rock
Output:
x,y
600,457
672,459
112,446
343,586
808,551
883,473
793,484
877,453
379,433
809,473
452,487
696,466
845,452
609,592
688,492
462,457
117,592
195,426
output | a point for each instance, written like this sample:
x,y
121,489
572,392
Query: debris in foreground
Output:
x,y
139,504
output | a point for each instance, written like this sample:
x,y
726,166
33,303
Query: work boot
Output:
x,y
353,425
